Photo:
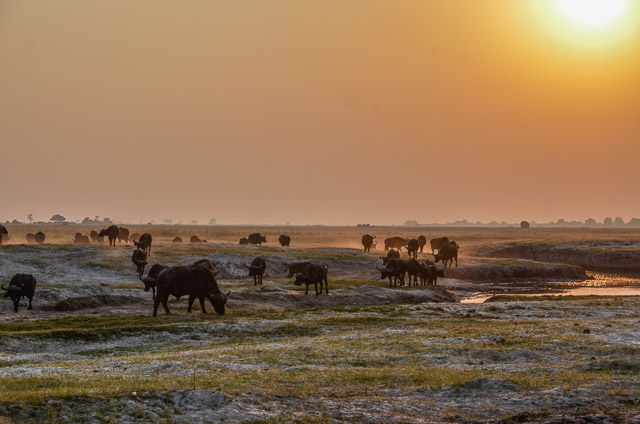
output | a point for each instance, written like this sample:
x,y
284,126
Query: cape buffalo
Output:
x,y
144,243
139,259
95,237
111,233
196,240
313,274
422,240
284,240
81,239
244,241
177,240
195,281
123,235
39,237
396,269
416,270
393,254
412,248
256,270
296,268
437,243
395,243
3,232
257,238
367,242
31,238
21,285
447,254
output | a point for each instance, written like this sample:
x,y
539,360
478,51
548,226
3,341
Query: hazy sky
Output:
x,y
327,111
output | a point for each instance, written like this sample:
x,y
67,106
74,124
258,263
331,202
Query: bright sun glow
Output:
x,y
594,13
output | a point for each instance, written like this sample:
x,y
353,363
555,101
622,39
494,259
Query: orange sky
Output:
x,y
333,111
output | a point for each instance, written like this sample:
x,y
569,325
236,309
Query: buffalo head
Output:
x,y
218,300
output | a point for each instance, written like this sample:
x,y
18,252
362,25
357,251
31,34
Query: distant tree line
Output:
x,y
608,222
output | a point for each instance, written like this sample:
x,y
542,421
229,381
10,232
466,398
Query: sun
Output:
x,y
594,13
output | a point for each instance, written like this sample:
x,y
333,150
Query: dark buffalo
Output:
x,y
177,240
3,232
415,270
437,243
423,241
21,285
81,239
256,270
367,242
196,281
447,254
257,238
393,254
313,274
284,240
95,237
144,243
31,238
39,237
196,239
111,233
244,241
395,243
139,259
134,237
412,248
296,268
123,235
395,269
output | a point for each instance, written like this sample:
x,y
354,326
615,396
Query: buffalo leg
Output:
x,y
456,261
30,308
191,299
156,302
165,300
326,286
204,311
316,287
306,292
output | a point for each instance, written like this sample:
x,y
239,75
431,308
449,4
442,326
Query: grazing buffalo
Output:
x,y
196,281
395,243
447,254
257,238
39,237
95,237
177,240
21,285
393,254
244,241
422,240
296,268
367,242
123,235
395,269
284,240
196,239
144,243
81,239
111,233
412,248
31,238
139,259
256,270
3,232
313,274
437,243
134,237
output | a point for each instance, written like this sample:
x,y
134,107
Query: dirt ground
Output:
x,y
90,351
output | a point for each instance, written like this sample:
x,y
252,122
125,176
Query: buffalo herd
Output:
x,y
198,280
